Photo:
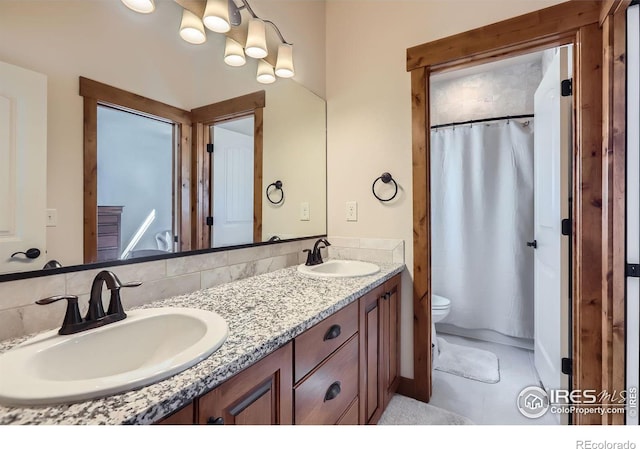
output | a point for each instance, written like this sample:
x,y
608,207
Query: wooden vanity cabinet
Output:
x,y
261,394
343,370
379,349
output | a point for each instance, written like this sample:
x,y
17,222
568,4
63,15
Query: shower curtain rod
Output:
x,y
470,122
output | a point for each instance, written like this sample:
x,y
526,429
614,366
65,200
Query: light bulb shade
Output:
x,y
141,6
256,46
284,64
234,53
191,28
265,72
216,16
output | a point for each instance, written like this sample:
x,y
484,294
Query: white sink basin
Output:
x,y
146,347
339,269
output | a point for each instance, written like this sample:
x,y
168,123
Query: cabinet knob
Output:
x,y
386,296
333,332
332,392
215,421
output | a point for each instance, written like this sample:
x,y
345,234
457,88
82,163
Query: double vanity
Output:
x,y
295,346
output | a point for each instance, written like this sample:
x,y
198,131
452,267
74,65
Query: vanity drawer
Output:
x,y
324,396
314,345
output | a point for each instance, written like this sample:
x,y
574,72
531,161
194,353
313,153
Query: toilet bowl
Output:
x,y
440,307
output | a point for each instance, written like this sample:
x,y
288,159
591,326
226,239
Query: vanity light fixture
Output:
x,y
265,72
234,53
216,16
219,16
141,6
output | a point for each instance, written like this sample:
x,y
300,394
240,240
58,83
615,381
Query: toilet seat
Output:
x,y
439,302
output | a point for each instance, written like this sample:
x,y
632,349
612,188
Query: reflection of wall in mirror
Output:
x,y
294,152
105,41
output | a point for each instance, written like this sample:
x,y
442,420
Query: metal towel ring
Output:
x,y
386,178
278,186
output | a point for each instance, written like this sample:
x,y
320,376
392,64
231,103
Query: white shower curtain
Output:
x,y
482,217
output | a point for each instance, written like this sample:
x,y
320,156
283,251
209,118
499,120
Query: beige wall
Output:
x,y
369,110
105,41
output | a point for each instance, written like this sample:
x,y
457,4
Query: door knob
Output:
x,y
31,253
533,244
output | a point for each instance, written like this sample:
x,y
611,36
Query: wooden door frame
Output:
x,y
203,117
593,331
95,94
614,28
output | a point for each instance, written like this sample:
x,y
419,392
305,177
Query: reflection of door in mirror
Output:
x,y
232,182
229,145
135,201
23,147
135,154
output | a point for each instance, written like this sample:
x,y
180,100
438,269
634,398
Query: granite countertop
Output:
x,y
263,312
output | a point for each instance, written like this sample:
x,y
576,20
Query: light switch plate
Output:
x,y
304,211
352,211
52,218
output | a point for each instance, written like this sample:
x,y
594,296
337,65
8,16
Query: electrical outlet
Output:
x,y
304,211
352,211
52,218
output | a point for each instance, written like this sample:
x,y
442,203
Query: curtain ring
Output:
x,y
385,178
278,186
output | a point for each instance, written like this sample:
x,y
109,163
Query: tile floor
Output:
x,y
489,403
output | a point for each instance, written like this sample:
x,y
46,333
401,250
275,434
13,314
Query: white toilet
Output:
x,y
440,307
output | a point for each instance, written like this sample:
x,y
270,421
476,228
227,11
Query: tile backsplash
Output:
x,y
19,315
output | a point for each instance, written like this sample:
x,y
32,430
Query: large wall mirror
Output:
x,y
105,44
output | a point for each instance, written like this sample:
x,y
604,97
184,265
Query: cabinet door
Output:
x,y
261,394
371,396
390,300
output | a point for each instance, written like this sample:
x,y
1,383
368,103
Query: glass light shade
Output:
x,y
234,53
256,46
141,6
191,28
284,64
265,73
216,16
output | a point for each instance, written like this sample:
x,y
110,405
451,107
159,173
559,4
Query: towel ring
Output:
x,y
385,178
278,186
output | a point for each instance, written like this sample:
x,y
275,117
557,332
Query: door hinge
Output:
x,y
633,270
566,226
209,221
567,366
175,239
209,148
566,87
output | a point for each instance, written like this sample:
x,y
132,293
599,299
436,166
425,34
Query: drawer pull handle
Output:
x,y
333,332
215,421
332,392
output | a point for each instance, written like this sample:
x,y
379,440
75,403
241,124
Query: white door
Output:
x,y
552,143
23,167
232,187
633,206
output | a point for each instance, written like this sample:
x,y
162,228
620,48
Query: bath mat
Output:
x,y
471,363
406,411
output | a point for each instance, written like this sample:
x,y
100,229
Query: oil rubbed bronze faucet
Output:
x,y
314,257
96,317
